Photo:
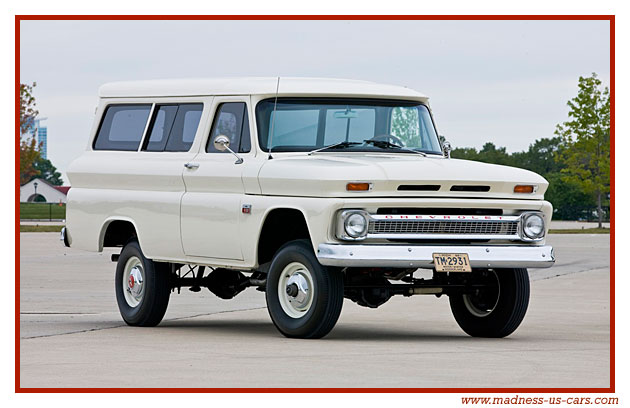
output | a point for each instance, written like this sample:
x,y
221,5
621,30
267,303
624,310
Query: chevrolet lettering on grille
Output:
x,y
443,226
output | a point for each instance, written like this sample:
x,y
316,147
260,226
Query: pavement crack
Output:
x,y
124,325
597,268
213,313
57,313
72,332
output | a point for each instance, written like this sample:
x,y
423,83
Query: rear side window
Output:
x,y
173,127
184,128
122,127
231,120
160,128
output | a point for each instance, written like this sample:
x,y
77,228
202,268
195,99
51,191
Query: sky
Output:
x,y
505,82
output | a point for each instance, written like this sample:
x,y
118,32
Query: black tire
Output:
x,y
508,312
156,289
327,296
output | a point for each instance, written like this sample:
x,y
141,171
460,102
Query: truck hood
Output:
x,y
326,175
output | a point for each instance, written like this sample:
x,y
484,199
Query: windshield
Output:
x,y
307,124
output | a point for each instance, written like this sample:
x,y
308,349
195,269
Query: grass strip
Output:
x,y
41,228
581,231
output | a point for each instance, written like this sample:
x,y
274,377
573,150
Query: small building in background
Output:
x,y
40,191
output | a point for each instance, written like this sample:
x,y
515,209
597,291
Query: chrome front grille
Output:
x,y
452,227
444,227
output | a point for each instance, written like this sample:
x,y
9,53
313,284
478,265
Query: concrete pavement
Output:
x,y
73,336
560,225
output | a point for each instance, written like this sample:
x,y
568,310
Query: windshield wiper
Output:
x,y
384,144
340,145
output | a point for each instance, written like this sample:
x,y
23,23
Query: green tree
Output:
x,y
489,153
586,141
28,111
465,153
540,157
29,154
29,149
568,200
47,171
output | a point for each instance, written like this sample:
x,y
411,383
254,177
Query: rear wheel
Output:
x,y
142,287
304,298
497,309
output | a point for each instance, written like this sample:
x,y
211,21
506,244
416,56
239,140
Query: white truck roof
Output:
x,y
257,86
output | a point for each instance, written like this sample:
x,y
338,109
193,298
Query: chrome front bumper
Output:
x,y
65,237
417,256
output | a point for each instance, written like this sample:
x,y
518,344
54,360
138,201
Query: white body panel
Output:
x,y
194,215
293,175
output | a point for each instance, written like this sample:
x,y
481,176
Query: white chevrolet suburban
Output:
x,y
311,190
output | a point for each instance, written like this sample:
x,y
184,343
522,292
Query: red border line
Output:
x,y
315,17
17,203
317,390
611,18
612,203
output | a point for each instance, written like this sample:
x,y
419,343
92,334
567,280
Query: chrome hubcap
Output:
x,y
133,281
295,290
484,302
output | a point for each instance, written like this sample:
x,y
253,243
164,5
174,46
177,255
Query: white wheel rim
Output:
x,y
296,290
476,311
133,281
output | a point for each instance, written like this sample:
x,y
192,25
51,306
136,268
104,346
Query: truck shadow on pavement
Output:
x,y
266,329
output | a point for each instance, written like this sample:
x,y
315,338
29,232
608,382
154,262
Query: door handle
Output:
x,y
191,165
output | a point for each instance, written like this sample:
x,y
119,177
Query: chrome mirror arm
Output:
x,y
239,159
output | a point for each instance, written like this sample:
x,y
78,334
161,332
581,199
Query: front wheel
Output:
x,y
498,308
304,298
142,287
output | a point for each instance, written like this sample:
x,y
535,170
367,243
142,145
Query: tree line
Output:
x,y
575,161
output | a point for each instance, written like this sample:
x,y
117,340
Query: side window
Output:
x,y
231,120
173,127
122,127
184,128
160,128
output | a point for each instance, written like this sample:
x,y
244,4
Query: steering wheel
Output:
x,y
388,138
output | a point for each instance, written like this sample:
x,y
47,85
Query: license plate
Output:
x,y
452,263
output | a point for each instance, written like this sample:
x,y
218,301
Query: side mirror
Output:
x,y
222,143
446,147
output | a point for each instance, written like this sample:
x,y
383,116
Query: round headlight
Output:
x,y
534,226
355,225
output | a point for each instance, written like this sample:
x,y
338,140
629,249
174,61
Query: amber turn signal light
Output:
x,y
527,189
358,186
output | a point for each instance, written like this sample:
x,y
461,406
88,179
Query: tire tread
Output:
x,y
503,322
330,283
155,301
